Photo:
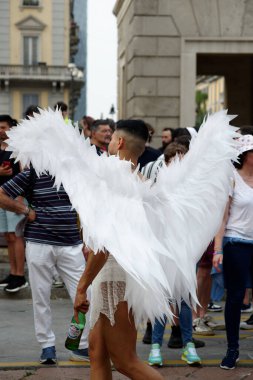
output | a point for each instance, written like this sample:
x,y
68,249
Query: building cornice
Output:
x,y
30,23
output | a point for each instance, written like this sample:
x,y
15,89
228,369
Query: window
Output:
x,y
30,99
31,3
30,51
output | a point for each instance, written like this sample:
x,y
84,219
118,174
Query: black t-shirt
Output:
x,y
150,154
5,156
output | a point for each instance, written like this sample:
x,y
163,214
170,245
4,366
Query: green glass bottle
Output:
x,y
75,332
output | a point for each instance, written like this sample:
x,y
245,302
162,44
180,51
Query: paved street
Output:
x,y
19,351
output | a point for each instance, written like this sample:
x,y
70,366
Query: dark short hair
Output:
x,y
167,129
8,119
96,123
178,132
31,110
61,106
137,128
241,159
183,140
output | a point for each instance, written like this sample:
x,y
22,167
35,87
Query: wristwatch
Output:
x,y
27,210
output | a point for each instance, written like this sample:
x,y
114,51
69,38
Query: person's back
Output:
x,y
112,323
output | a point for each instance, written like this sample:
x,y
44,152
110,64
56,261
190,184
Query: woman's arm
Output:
x,y
218,255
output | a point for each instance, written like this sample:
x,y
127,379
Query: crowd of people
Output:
x,y
53,246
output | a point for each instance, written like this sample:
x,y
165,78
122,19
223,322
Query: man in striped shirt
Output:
x,y
52,240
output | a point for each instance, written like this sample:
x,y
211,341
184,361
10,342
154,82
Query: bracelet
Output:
x,y
218,252
27,210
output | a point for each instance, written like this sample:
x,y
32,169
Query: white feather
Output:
x,y
156,233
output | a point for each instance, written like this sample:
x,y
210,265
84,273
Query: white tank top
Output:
x,y
240,222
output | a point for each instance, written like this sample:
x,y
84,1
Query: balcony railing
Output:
x,y
36,72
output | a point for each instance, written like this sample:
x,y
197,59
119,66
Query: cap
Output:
x,y
245,143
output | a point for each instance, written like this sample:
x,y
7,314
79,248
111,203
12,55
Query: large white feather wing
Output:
x,y
141,227
193,193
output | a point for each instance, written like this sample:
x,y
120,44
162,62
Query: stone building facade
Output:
x,y
164,44
36,42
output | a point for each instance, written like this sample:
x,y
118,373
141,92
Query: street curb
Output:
x,y
68,364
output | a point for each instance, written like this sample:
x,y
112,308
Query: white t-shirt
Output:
x,y
240,222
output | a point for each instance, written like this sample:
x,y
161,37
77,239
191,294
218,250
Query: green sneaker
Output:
x,y
155,357
190,355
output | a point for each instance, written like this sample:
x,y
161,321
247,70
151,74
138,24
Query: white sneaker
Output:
x,y
58,283
155,357
214,308
210,322
200,328
247,308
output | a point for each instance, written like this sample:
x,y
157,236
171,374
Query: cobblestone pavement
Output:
x,y
19,351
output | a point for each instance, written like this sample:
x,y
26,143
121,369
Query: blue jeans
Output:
x,y
237,270
185,319
217,290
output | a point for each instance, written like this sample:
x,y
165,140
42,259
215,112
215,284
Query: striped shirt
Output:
x,y
151,170
56,222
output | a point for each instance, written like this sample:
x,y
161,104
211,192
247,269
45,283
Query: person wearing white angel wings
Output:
x,y
113,326
138,224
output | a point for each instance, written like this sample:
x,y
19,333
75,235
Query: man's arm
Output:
x,y
93,266
7,203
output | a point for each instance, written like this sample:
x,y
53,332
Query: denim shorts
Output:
x,y
9,220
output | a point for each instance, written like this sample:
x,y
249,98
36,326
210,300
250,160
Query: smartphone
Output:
x,y
6,164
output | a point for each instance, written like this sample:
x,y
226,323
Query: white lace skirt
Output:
x,y
108,289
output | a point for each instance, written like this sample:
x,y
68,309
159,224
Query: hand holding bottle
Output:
x,y
75,332
81,304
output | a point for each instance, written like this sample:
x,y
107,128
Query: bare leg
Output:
x,y
120,340
204,282
16,252
10,238
100,365
19,256
246,297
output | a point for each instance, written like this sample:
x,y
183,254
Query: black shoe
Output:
x,y
6,281
147,339
198,343
230,360
175,340
17,283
